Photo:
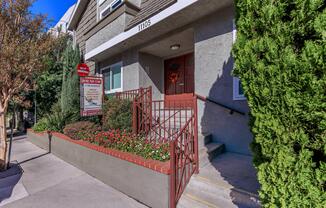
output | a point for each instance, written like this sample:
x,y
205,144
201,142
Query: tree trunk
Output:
x,y
3,140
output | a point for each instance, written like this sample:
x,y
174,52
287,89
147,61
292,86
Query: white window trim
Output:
x,y
236,94
234,31
103,10
100,2
108,6
114,90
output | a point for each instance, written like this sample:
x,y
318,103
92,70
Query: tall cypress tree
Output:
x,y
280,56
70,82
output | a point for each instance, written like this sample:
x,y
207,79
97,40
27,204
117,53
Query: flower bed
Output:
x,y
127,142
137,177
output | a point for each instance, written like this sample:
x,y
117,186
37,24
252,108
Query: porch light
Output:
x,y
175,47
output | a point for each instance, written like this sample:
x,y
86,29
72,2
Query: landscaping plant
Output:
x,y
82,130
128,142
280,56
117,114
49,82
41,125
70,100
55,120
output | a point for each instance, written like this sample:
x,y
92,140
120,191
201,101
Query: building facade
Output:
x,y
180,48
62,25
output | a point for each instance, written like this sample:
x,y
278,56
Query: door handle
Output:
x,y
181,84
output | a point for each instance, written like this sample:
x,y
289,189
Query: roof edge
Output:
x,y
79,9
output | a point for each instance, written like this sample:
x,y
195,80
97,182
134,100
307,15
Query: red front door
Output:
x,y
179,77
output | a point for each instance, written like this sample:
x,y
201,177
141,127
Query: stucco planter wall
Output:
x,y
144,180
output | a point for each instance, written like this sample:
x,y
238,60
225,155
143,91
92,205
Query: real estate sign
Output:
x,y
91,96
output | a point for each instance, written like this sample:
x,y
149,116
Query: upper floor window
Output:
x,y
109,8
113,76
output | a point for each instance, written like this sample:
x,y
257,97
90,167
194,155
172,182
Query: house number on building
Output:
x,y
144,25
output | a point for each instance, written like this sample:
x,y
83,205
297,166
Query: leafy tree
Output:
x,y
280,57
49,83
23,45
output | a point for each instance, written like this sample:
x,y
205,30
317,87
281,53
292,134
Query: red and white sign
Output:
x,y
83,70
91,96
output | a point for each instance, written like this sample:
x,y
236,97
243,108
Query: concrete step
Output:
x,y
218,194
188,200
209,152
204,140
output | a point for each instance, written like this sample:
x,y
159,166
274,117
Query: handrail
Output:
x,y
232,110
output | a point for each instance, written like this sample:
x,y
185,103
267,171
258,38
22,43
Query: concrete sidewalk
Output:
x,y
47,181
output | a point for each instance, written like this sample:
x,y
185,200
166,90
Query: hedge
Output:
x,y
280,56
117,114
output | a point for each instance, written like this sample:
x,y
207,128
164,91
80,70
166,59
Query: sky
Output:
x,y
55,9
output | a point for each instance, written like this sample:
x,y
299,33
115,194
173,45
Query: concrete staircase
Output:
x,y
208,149
168,122
212,187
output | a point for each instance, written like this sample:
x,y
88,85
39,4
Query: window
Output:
x,y
234,31
110,8
238,93
113,78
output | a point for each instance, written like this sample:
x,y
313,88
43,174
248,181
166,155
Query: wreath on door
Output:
x,y
173,77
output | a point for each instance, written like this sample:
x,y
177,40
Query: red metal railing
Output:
x,y
129,95
184,157
142,111
169,121
163,119
174,122
141,98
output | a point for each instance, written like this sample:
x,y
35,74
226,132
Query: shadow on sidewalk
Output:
x,y
9,179
33,158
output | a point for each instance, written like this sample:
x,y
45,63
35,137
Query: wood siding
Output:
x,y
148,9
86,22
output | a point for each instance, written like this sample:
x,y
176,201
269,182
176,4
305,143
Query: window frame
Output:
x,y
236,93
100,2
111,91
236,80
103,10
109,6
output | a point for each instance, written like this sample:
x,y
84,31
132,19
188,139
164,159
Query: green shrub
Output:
x,y
117,114
81,130
280,58
41,125
55,120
